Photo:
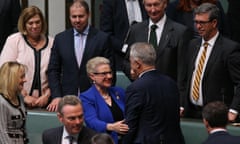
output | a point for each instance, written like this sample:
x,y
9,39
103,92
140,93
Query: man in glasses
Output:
x,y
213,72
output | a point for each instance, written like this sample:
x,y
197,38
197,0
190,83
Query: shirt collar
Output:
x,y
141,74
160,23
212,41
85,31
65,134
217,130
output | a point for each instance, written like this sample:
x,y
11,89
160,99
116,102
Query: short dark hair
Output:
x,y
80,3
68,100
102,138
209,8
216,114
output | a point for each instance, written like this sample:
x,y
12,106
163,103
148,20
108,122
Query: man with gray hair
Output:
x,y
213,72
70,114
152,102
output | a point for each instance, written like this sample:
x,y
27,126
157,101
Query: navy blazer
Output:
x,y
171,48
152,110
96,111
221,79
64,75
222,137
54,135
114,21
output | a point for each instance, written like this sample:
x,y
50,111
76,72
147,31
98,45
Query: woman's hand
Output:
x,y
119,127
43,100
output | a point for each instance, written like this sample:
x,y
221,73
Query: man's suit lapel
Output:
x,y
194,53
213,56
145,31
70,40
125,13
89,49
165,37
59,134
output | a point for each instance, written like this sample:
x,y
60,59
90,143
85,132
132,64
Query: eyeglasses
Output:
x,y
202,22
103,74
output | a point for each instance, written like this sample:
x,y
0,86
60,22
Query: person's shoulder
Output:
x,y
51,131
88,131
140,25
93,30
64,33
15,36
227,43
89,93
176,25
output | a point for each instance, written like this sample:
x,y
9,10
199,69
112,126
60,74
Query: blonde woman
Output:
x,y
12,110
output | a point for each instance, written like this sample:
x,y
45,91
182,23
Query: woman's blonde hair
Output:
x,y
27,14
93,63
10,73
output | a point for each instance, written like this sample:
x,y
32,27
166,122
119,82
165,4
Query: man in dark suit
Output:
x,y
215,119
70,53
219,79
9,13
152,101
70,114
171,39
116,18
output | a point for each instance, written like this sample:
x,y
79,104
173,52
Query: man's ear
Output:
x,y
60,117
208,127
138,62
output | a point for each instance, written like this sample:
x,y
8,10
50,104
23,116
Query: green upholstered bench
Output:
x,y
195,132
37,122
122,80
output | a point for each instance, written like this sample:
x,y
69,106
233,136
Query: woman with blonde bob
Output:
x,y
12,110
103,104
31,47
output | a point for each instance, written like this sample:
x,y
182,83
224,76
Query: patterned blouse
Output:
x,y
12,122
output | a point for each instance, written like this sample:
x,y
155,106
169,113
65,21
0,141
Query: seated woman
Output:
x,y
103,105
31,47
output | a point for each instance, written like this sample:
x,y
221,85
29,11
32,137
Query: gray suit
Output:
x,y
171,47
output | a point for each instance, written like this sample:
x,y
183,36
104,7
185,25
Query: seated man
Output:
x,y
215,119
70,114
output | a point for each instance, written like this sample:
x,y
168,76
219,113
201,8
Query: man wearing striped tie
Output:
x,y
213,67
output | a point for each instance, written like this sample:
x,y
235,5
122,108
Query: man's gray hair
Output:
x,y
143,51
209,8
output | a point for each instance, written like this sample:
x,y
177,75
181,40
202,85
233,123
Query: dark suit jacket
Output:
x,y
96,111
234,19
171,48
152,110
114,21
221,76
9,13
54,135
222,137
64,74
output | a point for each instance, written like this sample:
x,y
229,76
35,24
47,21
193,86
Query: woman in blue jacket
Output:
x,y
104,105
